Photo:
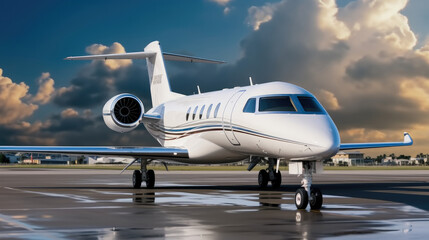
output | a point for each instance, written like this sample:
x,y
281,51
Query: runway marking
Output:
x,y
65,208
404,192
32,228
69,196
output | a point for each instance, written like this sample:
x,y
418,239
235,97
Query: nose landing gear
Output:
x,y
307,194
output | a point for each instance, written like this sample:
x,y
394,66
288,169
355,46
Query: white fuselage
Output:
x,y
229,134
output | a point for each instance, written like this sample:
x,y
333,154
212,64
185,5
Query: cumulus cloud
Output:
x,y
98,81
69,113
226,10
359,60
221,2
112,64
46,89
416,90
260,15
14,106
329,100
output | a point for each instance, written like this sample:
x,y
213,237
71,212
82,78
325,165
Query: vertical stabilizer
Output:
x,y
159,85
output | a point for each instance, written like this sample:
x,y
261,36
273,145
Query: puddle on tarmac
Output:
x,y
394,229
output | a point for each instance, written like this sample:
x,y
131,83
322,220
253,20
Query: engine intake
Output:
x,y
123,112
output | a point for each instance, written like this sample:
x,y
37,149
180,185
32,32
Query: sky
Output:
x,y
367,61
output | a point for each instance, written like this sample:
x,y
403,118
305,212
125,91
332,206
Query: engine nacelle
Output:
x,y
123,112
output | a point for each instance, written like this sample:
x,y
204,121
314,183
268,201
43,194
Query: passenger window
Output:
x,y
195,112
209,110
250,106
216,110
187,113
202,110
309,104
276,104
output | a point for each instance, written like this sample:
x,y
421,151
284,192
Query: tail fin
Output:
x,y
159,84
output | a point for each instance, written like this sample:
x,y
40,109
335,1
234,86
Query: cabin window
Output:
x,y
216,110
276,104
309,104
202,110
195,112
187,113
250,106
209,110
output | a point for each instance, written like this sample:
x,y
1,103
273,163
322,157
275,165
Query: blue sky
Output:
x,y
37,35
327,49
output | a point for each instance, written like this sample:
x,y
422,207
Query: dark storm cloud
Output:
x,y
294,47
89,88
371,68
93,131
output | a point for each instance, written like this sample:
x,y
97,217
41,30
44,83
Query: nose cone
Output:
x,y
325,138
320,135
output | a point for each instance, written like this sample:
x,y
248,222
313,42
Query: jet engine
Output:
x,y
123,112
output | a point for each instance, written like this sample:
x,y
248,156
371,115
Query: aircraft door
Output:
x,y
227,117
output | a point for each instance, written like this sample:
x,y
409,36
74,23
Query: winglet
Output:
x,y
407,139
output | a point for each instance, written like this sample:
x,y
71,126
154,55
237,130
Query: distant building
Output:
x,y
388,161
348,158
108,160
419,160
400,161
13,158
47,159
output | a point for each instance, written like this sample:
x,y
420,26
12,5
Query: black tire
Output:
x,y
316,199
263,179
301,198
137,179
277,182
150,179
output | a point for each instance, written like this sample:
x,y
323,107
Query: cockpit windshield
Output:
x,y
276,104
283,104
309,104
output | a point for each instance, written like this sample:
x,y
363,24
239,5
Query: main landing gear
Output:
x,y
270,174
143,175
307,194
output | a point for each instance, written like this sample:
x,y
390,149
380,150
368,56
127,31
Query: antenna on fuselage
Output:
x,y
199,91
251,82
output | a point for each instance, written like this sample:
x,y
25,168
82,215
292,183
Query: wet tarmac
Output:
x,y
100,204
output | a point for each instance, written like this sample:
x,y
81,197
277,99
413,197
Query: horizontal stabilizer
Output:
x,y
349,146
143,55
183,58
132,55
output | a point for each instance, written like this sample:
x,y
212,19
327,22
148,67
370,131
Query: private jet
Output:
x,y
268,122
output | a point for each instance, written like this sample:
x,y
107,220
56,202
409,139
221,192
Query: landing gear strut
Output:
x,y
270,174
143,175
306,194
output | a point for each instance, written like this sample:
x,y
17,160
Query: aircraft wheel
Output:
x,y
277,182
301,198
263,179
316,199
137,179
150,179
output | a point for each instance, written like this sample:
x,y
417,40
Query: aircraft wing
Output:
x,y
136,152
407,142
